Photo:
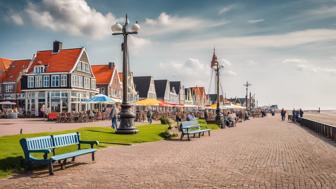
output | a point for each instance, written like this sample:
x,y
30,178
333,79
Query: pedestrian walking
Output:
x,y
113,115
283,114
301,113
149,116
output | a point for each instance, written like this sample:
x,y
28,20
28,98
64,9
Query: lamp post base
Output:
x,y
126,121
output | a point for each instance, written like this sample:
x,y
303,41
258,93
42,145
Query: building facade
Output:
x,y
61,80
107,80
11,82
145,87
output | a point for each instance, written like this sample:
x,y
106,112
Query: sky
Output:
x,y
286,49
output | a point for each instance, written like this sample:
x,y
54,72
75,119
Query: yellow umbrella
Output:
x,y
148,102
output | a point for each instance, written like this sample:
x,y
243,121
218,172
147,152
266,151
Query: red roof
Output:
x,y
63,61
103,73
4,63
14,70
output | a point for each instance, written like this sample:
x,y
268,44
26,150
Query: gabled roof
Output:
x,y
142,84
198,91
63,61
15,69
176,85
160,87
103,73
4,64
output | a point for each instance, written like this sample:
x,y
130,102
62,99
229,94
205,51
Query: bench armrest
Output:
x,y
46,151
91,142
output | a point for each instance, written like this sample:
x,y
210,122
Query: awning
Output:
x,y
148,102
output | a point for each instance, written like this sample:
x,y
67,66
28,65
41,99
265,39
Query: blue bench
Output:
x,y
47,146
192,128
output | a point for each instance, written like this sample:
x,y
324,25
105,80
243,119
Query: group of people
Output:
x,y
295,114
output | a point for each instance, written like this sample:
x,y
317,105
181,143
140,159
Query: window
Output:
x,y
86,83
46,80
55,81
64,80
79,66
30,81
80,81
93,84
8,88
38,81
39,69
102,90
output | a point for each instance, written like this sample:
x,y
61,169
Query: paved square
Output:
x,y
261,153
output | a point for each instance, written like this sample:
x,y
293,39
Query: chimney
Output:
x,y
57,46
111,65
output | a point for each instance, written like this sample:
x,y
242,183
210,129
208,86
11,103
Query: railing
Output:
x,y
326,130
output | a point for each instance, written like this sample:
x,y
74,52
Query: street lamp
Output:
x,y
215,65
246,97
126,116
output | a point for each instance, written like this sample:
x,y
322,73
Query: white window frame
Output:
x,y
30,82
55,80
93,84
80,81
9,88
64,80
46,81
39,69
38,81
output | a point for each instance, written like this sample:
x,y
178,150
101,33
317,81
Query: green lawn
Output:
x,y
11,153
209,126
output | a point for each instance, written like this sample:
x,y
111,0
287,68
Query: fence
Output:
x,y
326,130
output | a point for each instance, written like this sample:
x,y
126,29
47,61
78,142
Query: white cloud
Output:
x,y
16,19
70,16
230,73
295,61
166,23
315,69
263,41
225,63
191,72
255,21
320,12
138,42
225,9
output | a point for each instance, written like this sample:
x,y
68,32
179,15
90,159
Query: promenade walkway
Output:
x,y
261,153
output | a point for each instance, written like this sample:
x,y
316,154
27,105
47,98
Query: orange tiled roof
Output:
x,y
4,63
103,73
63,61
14,70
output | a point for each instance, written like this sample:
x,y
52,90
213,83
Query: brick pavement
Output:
x,y
261,153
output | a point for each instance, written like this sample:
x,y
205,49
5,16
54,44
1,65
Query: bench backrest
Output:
x,y
190,125
48,142
65,139
39,143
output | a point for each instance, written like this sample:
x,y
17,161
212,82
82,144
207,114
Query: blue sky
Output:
x,y
286,49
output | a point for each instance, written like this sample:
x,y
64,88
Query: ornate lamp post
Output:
x,y
246,97
126,116
216,66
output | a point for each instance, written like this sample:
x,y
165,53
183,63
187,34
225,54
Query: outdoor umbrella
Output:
x,y
100,98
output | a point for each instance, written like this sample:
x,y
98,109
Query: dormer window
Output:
x,y
39,69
